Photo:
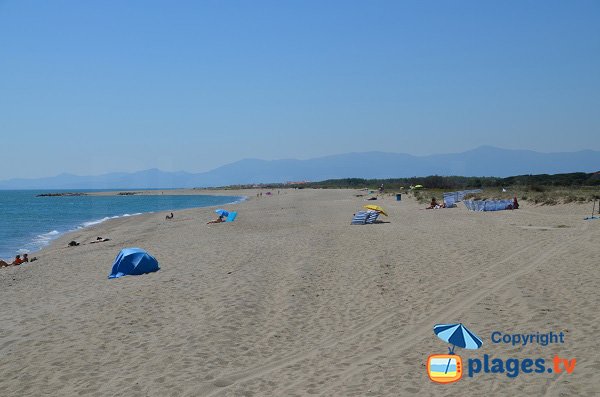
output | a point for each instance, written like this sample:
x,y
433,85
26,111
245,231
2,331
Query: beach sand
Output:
x,y
291,300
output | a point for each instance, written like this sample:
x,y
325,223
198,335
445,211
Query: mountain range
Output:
x,y
482,161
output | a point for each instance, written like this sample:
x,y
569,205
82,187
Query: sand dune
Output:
x,y
291,300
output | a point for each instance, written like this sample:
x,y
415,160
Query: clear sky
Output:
x,y
89,87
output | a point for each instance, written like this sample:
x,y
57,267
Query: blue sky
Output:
x,y
100,86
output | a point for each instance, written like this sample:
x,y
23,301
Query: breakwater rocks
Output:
x,y
60,194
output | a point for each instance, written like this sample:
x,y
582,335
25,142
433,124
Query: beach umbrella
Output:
x,y
457,335
375,208
222,212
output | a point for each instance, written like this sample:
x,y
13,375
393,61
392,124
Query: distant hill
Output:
x,y
483,161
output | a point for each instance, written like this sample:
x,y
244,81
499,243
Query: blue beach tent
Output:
x,y
133,261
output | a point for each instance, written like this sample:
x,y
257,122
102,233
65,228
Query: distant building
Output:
x,y
296,183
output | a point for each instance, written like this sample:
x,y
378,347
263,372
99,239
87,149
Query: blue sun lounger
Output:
x,y
360,218
371,217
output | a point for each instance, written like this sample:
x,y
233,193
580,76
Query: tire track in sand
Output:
x,y
416,332
220,386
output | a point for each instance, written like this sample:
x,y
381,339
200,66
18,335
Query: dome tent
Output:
x,y
133,261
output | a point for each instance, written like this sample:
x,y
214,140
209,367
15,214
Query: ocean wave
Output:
x,y
41,240
96,222
47,236
241,199
106,218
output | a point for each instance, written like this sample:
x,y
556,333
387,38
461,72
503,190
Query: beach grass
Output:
x,y
540,195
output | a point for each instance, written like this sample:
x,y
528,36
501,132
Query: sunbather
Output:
x,y
218,220
16,262
99,240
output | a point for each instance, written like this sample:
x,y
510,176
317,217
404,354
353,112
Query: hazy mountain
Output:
x,y
483,161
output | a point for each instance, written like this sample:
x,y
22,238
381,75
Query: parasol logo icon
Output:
x,y
448,368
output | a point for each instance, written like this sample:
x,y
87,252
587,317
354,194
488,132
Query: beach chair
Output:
x,y
360,218
372,217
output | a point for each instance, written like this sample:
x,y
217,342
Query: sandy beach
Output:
x,y
291,300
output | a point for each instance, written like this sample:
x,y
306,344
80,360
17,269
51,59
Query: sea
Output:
x,y
29,222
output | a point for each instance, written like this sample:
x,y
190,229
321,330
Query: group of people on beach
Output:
x,y
18,260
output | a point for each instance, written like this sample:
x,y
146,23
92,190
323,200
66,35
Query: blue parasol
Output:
x,y
458,335
222,212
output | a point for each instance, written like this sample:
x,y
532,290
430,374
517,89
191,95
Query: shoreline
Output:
x,y
47,239
86,234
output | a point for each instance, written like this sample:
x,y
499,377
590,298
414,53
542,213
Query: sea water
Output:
x,y
29,222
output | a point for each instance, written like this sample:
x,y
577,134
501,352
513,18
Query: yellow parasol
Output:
x,y
375,208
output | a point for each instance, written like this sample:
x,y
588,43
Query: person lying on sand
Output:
x,y
218,220
99,240
16,262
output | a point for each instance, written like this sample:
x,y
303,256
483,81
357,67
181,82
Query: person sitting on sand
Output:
x,y
26,258
169,216
434,205
218,220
